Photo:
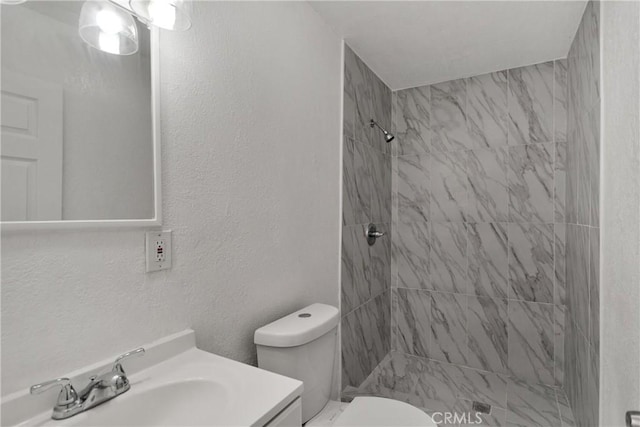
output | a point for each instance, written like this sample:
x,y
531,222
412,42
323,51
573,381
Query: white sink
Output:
x,y
189,388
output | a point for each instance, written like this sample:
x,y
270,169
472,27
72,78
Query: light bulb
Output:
x,y
109,43
109,22
162,13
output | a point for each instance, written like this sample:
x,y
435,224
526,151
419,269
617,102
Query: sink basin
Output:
x,y
190,402
174,384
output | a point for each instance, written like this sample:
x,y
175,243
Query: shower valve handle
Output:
x,y
372,234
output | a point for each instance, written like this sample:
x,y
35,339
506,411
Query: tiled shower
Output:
x,y
487,288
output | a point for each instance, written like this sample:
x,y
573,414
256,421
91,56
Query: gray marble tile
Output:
x,y
592,140
413,188
530,178
448,116
560,93
487,109
380,172
560,284
560,182
531,274
583,205
488,340
531,335
558,343
487,253
349,107
578,275
436,385
448,341
579,397
594,288
412,244
566,414
448,185
531,104
362,95
412,121
365,339
357,183
593,389
448,257
488,198
531,405
381,112
571,167
413,321
481,386
380,262
357,262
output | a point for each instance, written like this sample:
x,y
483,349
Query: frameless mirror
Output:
x,y
79,141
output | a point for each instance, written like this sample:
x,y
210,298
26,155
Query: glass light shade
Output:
x,y
168,14
108,28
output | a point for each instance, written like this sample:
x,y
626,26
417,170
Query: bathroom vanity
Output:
x,y
175,383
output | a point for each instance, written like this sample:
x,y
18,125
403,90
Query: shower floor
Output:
x,y
438,387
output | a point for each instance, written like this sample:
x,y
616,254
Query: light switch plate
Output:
x,y
158,248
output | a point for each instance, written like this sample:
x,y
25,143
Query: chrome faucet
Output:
x,y
100,389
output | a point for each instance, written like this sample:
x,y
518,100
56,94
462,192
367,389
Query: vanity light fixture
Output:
x,y
168,14
108,25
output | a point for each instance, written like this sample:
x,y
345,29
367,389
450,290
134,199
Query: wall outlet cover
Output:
x,y
158,249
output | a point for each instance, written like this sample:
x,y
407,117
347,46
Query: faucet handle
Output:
x,y
67,395
134,353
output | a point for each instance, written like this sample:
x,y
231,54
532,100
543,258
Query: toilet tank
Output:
x,y
302,345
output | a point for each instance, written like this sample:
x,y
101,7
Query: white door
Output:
x,y
30,149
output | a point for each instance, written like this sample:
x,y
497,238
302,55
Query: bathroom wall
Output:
x,y
582,343
479,222
619,211
366,270
251,189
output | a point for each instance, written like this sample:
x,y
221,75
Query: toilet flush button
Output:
x,y
304,315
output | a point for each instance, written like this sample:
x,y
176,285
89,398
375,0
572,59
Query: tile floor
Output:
x,y
440,387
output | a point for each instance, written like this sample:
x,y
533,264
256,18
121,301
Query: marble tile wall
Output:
x,y
582,352
366,270
478,214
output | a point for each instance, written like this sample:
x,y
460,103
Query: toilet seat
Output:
x,y
378,411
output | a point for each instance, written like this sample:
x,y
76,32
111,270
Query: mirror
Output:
x,y
79,142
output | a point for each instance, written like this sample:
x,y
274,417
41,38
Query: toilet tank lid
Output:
x,y
298,328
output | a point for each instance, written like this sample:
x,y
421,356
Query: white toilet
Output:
x,y
302,345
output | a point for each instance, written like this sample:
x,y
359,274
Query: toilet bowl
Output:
x,y
302,345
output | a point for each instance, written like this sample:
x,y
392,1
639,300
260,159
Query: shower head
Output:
x,y
387,136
